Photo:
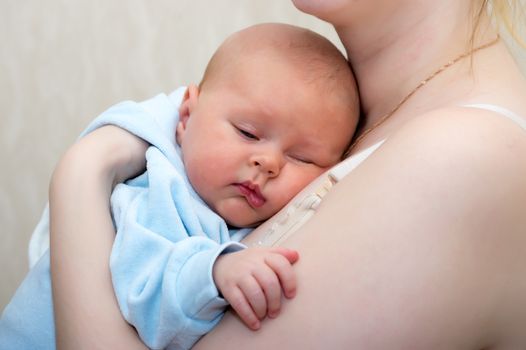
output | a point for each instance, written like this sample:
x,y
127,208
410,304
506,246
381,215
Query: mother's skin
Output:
x,y
421,247
424,245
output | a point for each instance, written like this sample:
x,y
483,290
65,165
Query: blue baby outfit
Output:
x,y
166,244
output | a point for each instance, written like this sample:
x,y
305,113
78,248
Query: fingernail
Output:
x,y
273,314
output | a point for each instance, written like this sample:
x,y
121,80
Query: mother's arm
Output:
x,y
86,312
421,247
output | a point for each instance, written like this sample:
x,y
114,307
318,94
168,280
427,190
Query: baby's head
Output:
x,y
276,108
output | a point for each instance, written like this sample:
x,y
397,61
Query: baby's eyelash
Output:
x,y
306,161
302,160
247,134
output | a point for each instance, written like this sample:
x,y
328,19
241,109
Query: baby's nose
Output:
x,y
269,163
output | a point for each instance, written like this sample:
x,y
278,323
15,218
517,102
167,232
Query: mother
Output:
x,y
423,246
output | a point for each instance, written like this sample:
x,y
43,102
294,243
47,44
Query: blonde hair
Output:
x,y
508,16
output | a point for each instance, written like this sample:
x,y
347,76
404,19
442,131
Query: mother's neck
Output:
x,y
391,55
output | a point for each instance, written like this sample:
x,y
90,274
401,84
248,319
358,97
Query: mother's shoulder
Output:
x,y
467,160
461,133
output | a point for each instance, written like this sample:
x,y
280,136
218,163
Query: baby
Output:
x,y
276,108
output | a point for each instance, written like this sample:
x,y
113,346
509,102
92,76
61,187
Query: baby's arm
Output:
x,y
251,280
164,254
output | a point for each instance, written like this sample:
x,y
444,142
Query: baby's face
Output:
x,y
251,145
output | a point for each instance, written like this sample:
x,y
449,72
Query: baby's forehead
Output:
x,y
314,129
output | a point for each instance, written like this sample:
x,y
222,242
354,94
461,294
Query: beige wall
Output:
x,y
63,62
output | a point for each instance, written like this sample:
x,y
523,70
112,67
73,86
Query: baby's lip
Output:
x,y
252,193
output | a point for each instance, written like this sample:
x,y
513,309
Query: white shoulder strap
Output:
x,y
343,168
502,111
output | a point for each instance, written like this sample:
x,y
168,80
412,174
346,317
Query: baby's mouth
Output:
x,y
251,193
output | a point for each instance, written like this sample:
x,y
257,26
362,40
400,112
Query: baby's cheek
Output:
x,y
311,175
287,194
294,181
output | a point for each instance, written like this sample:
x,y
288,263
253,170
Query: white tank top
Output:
x,y
502,111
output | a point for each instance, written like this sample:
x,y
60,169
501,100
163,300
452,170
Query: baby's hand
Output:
x,y
251,280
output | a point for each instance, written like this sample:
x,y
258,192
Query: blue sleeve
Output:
x,y
167,242
166,290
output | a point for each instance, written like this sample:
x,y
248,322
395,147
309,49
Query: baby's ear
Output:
x,y
185,111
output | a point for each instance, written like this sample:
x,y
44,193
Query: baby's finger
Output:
x,y
240,304
285,273
291,255
269,282
254,295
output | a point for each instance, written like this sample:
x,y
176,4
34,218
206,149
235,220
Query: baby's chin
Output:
x,y
241,223
237,213
238,219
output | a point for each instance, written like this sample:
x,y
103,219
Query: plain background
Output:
x,y
64,62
